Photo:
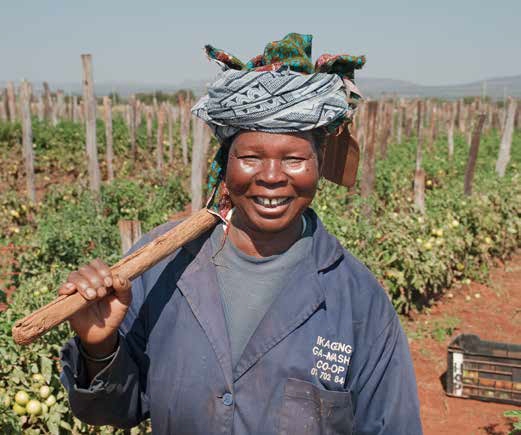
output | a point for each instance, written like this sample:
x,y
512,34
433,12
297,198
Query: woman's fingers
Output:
x,y
103,270
83,285
122,288
92,275
92,281
67,288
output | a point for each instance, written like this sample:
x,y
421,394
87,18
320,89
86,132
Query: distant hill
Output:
x,y
495,88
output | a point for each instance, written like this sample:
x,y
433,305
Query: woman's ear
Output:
x,y
225,202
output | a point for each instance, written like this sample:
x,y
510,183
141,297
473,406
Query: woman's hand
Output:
x,y
97,325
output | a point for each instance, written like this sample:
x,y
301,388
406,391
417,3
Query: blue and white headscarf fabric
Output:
x,y
281,101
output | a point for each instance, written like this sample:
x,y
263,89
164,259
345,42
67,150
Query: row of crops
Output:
x,y
415,256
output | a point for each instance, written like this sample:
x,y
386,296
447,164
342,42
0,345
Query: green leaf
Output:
x,y
53,427
46,365
65,425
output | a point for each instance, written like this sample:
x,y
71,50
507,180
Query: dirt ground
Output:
x,y
494,313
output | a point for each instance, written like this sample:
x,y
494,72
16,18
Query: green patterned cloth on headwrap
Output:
x,y
294,50
279,91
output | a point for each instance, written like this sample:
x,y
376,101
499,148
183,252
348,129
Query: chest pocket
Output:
x,y
307,409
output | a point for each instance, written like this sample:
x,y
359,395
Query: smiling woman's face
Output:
x,y
271,179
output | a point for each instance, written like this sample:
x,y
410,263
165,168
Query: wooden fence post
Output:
x,y
400,122
360,117
473,154
107,106
457,116
132,126
4,111
368,163
130,233
54,112
60,103
128,115
170,117
40,108
47,104
11,101
470,123
184,108
160,137
419,175
386,123
74,109
81,110
139,113
149,127
27,140
450,130
200,142
89,101
506,139
432,132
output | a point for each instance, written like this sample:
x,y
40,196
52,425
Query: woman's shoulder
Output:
x,y
355,287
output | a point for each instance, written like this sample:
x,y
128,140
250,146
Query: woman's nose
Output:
x,y
272,172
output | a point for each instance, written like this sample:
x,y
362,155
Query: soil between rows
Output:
x,y
491,311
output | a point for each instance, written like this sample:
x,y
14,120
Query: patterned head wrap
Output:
x,y
279,91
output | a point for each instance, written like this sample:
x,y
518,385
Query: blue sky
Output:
x,y
432,43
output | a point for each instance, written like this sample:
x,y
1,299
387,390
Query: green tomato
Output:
x,y
51,400
21,398
34,407
45,391
19,409
38,378
6,401
45,408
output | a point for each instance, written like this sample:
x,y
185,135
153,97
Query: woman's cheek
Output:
x,y
305,176
239,176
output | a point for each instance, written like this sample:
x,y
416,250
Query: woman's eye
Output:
x,y
293,160
250,159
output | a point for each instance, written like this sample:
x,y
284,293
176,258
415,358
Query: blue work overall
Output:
x,y
329,357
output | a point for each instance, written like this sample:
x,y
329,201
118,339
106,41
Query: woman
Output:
x,y
265,324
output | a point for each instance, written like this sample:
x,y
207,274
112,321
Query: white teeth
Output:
x,y
273,202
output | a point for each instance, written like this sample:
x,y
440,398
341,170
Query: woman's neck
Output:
x,y
263,244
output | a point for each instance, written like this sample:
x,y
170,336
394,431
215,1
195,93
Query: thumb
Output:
x,y
122,289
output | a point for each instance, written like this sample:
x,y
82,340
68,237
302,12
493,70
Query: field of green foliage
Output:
x,y
415,257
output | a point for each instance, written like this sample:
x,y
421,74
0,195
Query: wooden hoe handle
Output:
x,y
29,328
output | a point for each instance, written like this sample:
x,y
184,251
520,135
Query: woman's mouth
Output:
x,y
272,202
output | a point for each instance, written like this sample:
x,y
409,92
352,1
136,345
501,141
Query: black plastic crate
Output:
x,y
484,370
